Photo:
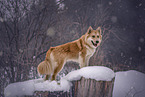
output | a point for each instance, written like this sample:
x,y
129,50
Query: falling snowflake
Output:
x,y
110,3
114,19
132,87
1,53
50,32
20,50
139,49
141,40
1,19
124,29
34,57
99,5
140,4
121,54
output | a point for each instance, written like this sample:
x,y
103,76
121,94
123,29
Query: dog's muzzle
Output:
x,y
95,44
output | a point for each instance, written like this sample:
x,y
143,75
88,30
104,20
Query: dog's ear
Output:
x,y
99,29
89,30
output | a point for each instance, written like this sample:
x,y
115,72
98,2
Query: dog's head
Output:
x,y
93,37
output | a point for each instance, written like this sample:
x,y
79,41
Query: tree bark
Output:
x,y
93,88
51,94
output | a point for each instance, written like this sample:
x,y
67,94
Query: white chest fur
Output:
x,y
90,51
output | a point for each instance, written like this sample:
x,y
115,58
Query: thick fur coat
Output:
x,y
79,51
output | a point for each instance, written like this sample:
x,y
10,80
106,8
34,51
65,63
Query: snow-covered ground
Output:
x,y
28,87
126,83
129,84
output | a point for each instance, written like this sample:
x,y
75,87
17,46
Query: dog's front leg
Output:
x,y
82,62
87,58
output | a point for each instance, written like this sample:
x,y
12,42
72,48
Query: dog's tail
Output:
x,y
45,67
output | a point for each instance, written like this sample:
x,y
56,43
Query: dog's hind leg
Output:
x,y
57,70
47,77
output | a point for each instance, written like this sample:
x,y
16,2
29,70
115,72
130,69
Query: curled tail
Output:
x,y
45,67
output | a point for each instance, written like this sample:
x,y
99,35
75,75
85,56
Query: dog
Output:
x,y
79,51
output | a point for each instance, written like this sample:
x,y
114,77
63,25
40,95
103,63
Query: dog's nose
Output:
x,y
97,41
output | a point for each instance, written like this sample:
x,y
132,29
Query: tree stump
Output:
x,y
82,88
93,88
51,94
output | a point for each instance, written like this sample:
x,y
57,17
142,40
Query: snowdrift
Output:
x,y
127,83
28,87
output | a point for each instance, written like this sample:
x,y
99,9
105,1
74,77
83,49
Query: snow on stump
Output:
x,y
95,81
91,81
52,89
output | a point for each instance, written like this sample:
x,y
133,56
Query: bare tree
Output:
x,y
25,36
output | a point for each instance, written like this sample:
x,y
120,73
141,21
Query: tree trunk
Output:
x,y
93,88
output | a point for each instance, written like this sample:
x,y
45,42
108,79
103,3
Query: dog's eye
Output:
x,y
97,36
93,36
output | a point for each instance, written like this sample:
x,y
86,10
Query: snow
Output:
x,y
28,87
34,57
1,19
139,49
140,4
50,32
63,85
1,53
19,89
93,72
99,5
20,50
129,84
141,40
110,3
114,19
121,54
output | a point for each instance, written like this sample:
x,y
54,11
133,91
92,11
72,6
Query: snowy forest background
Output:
x,y
29,27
